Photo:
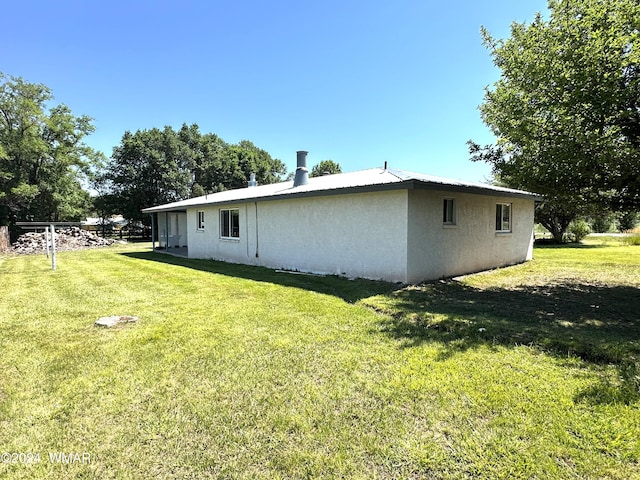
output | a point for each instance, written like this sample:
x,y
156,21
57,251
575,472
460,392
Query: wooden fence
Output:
x,y
5,244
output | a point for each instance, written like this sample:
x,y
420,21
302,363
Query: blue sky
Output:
x,y
357,82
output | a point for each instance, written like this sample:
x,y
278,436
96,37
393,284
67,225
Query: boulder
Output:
x,y
115,320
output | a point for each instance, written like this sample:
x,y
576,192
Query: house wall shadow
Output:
x,y
348,290
599,324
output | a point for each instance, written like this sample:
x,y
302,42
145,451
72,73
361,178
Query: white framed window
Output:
x,y
230,223
449,211
200,219
503,217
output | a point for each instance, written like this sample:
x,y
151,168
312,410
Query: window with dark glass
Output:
x,y
230,223
448,211
503,217
200,220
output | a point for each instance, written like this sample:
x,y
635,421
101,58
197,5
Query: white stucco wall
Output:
x,y
393,235
208,244
356,235
472,244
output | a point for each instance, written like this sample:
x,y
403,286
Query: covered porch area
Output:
x,y
169,232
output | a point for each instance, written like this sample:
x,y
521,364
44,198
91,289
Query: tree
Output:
x,y
152,167
147,168
627,221
566,110
325,167
43,159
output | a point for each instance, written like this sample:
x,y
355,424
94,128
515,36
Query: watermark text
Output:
x,y
35,457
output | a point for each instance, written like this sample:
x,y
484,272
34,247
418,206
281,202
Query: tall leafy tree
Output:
x,y
325,167
566,110
208,153
43,158
252,159
147,168
152,167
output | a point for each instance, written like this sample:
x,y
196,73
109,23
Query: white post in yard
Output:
x,y
46,239
53,247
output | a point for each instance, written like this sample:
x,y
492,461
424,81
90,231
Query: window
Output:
x,y
503,217
449,211
230,223
200,220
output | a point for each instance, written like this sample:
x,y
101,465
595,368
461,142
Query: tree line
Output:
x,y
156,166
47,168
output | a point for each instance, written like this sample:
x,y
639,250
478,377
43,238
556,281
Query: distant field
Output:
x,y
530,371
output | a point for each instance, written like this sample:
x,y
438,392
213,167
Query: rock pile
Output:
x,y
73,238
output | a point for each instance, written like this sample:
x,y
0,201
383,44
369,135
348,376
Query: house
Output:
x,y
379,223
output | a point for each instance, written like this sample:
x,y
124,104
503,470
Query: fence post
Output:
x,y
46,239
53,247
5,243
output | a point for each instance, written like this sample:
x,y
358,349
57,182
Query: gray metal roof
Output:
x,y
373,179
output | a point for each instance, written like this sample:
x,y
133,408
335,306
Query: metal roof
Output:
x,y
370,180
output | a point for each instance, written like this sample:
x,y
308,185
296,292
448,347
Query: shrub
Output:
x,y
627,221
602,222
578,229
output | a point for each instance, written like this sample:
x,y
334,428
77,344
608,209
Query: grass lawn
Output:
x,y
531,371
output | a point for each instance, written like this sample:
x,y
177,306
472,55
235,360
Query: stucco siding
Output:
x,y
396,235
207,243
356,235
437,250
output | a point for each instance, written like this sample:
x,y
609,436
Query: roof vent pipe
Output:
x,y
302,173
252,180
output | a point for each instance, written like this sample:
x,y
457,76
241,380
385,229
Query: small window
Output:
x,y
503,217
200,220
449,211
230,223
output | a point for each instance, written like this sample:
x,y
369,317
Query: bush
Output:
x,y
602,222
627,221
578,229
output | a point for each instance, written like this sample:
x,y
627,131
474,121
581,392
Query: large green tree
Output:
x,y
147,168
43,158
152,167
325,167
566,110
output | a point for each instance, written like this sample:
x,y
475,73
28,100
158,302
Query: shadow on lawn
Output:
x,y
349,290
596,323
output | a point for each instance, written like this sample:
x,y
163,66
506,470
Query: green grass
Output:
x,y
632,240
530,371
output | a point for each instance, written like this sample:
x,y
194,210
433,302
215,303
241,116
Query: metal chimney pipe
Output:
x,y
252,180
302,173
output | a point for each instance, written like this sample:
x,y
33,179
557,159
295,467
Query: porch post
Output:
x,y
153,232
166,231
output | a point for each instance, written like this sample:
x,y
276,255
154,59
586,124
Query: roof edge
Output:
x,y
403,185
